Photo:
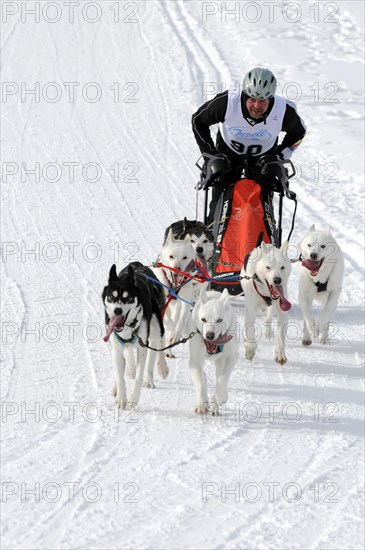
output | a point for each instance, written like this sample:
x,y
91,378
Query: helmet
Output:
x,y
259,83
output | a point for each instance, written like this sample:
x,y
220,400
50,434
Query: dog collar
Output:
x,y
132,340
123,342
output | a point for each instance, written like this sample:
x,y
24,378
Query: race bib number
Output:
x,y
250,150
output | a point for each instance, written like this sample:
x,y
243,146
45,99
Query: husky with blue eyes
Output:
x,y
133,305
321,274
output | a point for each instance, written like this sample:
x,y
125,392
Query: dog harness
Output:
x,y
124,342
321,287
174,290
267,299
173,294
132,340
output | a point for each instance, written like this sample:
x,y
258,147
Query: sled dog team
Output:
x,y
152,309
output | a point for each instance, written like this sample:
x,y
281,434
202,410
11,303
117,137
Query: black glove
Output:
x,y
214,166
271,167
219,164
268,165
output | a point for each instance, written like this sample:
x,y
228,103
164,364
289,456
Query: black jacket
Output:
x,y
214,111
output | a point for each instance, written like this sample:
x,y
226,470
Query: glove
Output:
x,y
267,165
218,164
213,167
271,167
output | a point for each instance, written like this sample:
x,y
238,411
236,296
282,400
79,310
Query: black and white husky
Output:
x,y
133,305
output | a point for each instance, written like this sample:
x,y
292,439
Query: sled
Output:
x,y
244,214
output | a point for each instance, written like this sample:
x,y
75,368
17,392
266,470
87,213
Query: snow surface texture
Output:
x,y
159,477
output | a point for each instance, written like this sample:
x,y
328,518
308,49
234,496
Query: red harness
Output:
x,y
186,278
267,299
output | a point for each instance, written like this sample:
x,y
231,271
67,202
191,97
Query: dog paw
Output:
x,y
280,359
314,332
163,370
250,353
121,402
148,383
306,341
324,339
201,409
215,409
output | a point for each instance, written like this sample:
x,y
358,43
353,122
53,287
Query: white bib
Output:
x,y
245,139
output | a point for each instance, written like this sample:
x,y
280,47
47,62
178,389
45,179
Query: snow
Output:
x,y
159,477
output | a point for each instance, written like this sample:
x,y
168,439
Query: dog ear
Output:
x,y
131,272
170,236
284,248
113,273
225,296
264,247
312,228
327,229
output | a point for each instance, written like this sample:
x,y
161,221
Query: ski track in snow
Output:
x,y
164,454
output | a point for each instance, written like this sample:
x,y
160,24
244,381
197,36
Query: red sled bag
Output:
x,y
243,213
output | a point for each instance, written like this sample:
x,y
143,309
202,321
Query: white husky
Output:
x,y
321,274
212,319
266,272
178,255
200,237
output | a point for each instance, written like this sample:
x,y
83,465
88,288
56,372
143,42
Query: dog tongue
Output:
x,y
222,339
313,266
117,320
277,290
211,345
190,266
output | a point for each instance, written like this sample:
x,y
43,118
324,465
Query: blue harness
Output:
x,y
132,340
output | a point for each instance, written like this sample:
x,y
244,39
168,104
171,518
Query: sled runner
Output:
x,y
244,211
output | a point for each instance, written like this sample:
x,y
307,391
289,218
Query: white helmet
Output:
x,y
259,83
